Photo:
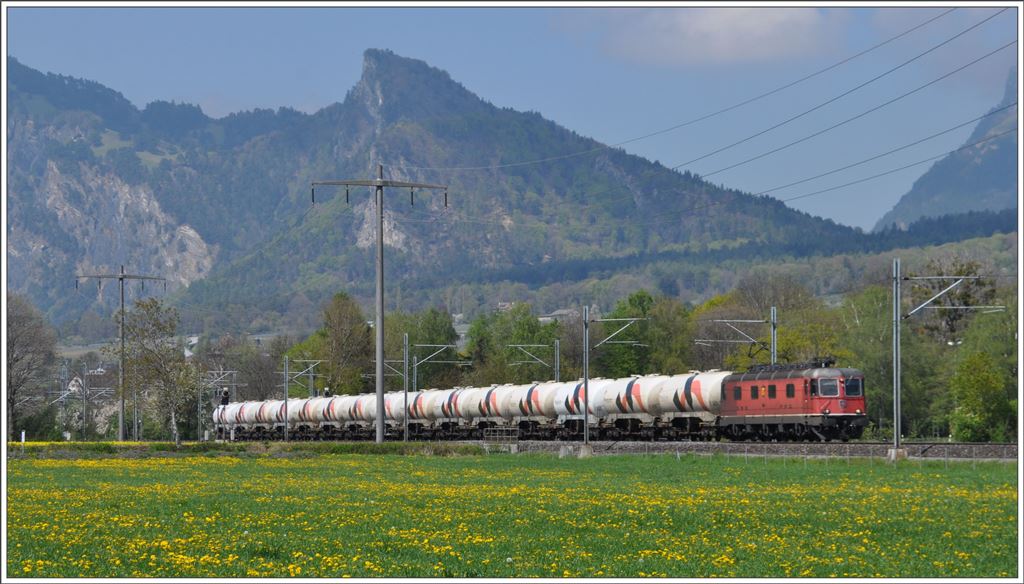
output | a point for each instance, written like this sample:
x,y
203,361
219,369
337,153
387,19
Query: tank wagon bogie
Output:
x,y
811,401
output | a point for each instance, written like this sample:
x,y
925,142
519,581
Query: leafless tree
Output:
x,y
30,353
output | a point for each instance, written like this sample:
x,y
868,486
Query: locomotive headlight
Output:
x,y
826,411
858,411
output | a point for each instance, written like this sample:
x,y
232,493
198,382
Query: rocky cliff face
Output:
x,y
69,217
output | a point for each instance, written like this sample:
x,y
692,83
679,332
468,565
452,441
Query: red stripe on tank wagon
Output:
x,y
534,400
635,394
455,405
572,401
696,389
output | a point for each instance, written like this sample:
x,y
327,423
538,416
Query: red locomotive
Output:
x,y
807,401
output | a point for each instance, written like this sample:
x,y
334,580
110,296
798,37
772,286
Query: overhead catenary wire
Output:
x,y
888,172
856,117
820,175
886,153
820,132
821,191
693,120
841,95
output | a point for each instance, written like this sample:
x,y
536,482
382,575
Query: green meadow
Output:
x,y
391,515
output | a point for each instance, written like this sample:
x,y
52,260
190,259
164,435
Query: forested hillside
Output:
x,y
221,207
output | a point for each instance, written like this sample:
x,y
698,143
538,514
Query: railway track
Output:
x,y
918,450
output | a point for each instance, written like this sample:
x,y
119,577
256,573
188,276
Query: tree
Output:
x,y
155,362
31,342
669,336
344,343
488,343
982,410
615,360
947,324
257,364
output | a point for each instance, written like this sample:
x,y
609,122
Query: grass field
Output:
x,y
372,515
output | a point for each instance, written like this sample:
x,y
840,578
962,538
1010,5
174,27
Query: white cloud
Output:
x,y
711,36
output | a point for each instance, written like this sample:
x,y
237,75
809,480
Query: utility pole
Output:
x,y
896,300
416,362
405,387
309,372
212,381
121,277
897,316
379,184
415,384
586,451
287,380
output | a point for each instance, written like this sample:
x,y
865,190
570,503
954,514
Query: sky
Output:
x,y
609,73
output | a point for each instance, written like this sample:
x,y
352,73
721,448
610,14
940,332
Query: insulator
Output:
x,y
312,195
346,195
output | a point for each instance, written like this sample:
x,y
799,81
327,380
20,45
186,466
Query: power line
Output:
x,y
805,195
697,119
841,95
893,151
888,172
856,117
834,126
478,220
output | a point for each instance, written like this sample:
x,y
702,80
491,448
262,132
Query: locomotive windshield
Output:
x,y
854,387
828,387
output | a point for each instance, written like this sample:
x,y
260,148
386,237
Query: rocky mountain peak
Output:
x,y
393,88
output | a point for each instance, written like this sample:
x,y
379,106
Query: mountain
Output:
x,y
221,207
982,177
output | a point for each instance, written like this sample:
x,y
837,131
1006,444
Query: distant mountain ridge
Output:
x,y
222,206
980,178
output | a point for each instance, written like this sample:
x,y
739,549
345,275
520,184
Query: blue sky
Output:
x,y
609,73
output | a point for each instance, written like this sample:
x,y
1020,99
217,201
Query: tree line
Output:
x,y
959,366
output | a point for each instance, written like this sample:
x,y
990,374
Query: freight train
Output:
x,y
810,401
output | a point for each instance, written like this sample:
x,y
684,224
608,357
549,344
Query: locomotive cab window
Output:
x,y
790,390
854,387
753,392
737,393
771,392
828,387
814,387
